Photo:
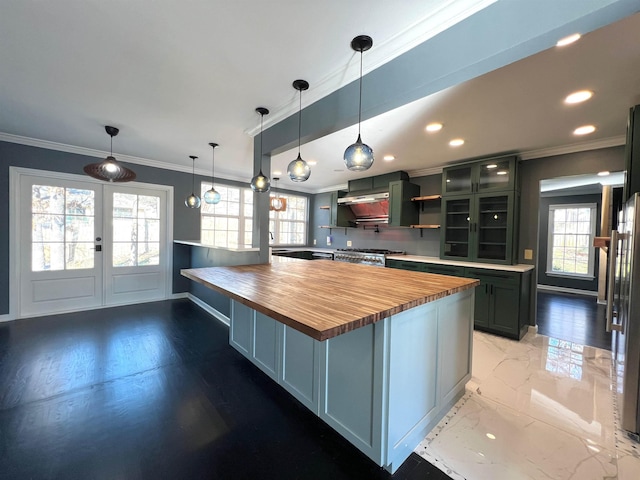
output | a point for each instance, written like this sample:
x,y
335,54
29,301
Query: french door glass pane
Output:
x,y
62,228
136,230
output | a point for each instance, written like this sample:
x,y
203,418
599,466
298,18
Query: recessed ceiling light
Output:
x,y
563,42
277,172
313,163
434,127
456,142
492,165
584,130
388,158
603,174
580,96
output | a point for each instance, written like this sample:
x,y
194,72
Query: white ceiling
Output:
x,y
174,78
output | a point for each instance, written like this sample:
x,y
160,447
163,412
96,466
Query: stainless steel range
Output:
x,y
364,256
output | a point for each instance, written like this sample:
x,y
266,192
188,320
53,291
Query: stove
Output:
x,y
364,256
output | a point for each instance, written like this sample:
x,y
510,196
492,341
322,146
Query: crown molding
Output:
x,y
423,172
90,152
574,148
433,23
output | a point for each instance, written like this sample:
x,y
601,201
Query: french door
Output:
x,y
84,244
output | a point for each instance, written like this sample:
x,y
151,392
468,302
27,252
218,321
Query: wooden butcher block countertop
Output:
x,y
323,298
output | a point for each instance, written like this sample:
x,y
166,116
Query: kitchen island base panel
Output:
x,y
383,386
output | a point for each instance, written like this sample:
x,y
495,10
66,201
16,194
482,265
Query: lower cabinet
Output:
x,y
501,299
498,299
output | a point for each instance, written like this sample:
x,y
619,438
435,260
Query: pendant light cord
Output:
x,y
300,122
213,163
360,102
193,176
111,145
261,119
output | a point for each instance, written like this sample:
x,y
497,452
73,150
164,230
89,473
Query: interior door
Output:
x,y
60,238
85,244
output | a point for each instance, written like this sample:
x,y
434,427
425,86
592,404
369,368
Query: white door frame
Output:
x,y
15,247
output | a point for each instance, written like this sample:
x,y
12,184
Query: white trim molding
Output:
x,y
575,291
222,318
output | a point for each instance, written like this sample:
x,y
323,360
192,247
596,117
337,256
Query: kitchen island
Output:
x,y
378,354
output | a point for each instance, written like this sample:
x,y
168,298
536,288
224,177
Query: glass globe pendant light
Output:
x,y
212,196
109,169
298,169
276,203
260,183
359,156
193,201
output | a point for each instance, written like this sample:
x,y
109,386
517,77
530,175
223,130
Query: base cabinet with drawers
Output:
x,y
501,300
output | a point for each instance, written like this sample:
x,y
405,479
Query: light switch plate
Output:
x,y
528,254
314,241
349,243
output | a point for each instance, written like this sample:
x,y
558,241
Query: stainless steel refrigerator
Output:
x,y
623,313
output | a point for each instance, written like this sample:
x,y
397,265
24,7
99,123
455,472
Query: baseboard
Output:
x,y
176,296
5,318
575,291
533,329
209,309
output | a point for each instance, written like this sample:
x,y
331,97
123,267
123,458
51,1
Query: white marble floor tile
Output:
x,y
536,409
486,440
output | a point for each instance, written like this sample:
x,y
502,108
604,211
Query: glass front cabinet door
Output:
x,y
456,227
478,227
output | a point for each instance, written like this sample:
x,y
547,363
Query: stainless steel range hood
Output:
x,y
368,208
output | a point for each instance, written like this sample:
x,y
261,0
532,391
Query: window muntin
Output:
x,y
228,223
62,228
136,230
571,232
290,226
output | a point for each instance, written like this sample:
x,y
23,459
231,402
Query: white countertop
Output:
x,y
194,243
520,267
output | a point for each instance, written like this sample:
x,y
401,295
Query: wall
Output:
x,y
565,282
186,222
393,238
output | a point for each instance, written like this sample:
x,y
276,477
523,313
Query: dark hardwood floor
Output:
x,y
153,391
575,318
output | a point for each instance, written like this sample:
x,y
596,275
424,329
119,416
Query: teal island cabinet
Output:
x,y
381,365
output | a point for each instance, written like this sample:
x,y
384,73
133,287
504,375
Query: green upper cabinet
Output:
x,y
478,227
479,206
490,175
402,211
341,215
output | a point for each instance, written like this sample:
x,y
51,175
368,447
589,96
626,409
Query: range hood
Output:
x,y
368,208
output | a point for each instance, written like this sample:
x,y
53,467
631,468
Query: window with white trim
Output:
x,y
229,223
289,227
571,232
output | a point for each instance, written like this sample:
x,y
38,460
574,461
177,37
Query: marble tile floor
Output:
x,y
541,408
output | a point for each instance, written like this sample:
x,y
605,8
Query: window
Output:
x,y
228,223
571,232
290,226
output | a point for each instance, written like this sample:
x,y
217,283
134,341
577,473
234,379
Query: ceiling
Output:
x,y
518,108
174,79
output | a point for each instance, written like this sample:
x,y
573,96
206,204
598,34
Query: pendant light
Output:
x,y
193,201
212,196
298,169
260,183
109,169
359,156
276,203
